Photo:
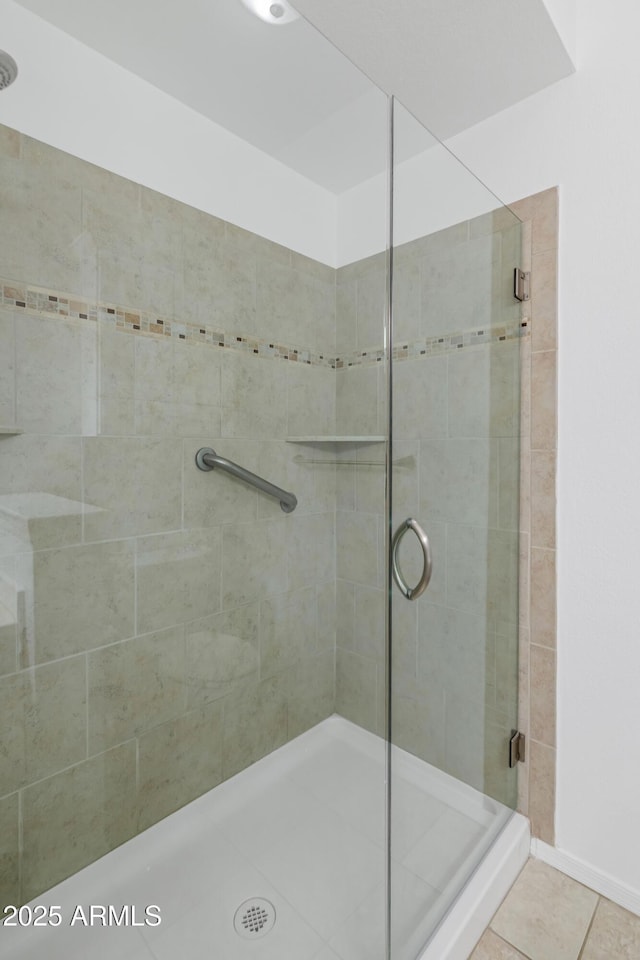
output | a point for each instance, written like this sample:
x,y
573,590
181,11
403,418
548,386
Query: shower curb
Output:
x,y
471,913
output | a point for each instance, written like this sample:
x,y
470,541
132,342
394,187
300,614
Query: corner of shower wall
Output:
x,y
456,424
537,685
165,628
361,669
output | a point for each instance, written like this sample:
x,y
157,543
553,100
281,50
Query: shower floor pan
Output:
x,y
286,861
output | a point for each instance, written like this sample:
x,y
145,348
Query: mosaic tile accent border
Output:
x,y
54,305
432,346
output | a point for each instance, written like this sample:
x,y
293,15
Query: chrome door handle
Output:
x,y
411,593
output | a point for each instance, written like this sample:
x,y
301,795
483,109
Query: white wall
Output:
x,y
81,102
563,15
584,135
431,191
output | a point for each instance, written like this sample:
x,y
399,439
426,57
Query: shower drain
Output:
x,y
254,918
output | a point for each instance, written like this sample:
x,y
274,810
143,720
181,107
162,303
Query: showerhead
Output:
x,y
8,69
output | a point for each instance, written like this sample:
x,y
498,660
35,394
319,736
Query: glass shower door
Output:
x,y
454,518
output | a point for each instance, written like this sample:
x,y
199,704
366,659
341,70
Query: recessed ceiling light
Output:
x,y
272,11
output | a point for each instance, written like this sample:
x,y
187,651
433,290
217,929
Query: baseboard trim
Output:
x,y
584,873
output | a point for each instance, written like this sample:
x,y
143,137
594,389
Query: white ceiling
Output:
x,y
291,94
452,63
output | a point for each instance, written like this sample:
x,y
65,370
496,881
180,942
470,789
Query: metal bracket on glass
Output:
x,y
517,748
208,459
522,284
411,593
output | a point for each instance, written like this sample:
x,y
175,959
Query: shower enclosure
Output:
x,y
259,557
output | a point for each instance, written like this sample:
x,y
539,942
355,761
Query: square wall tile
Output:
x,y
418,723
179,760
484,391
42,464
406,296
178,577
135,484
543,597
459,480
12,758
544,300
357,548
543,499
83,597
222,653
346,307
117,361
139,248
369,626
544,400
41,213
134,686
457,647
326,616
254,397
255,723
311,549
310,692
254,561
542,209
357,401
295,306
372,302
356,689
9,851
542,685
345,614
311,400
56,358
421,385
219,275
8,642
55,717
287,630
7,371
9,142
542,790
94,800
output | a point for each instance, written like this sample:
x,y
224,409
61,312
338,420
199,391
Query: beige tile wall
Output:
x,y
538,473
455,654
160,627
455,427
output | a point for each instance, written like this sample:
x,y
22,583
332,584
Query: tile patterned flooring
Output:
x,y
303,828
548,916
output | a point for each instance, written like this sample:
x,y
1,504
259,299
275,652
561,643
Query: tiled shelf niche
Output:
x,y
10,431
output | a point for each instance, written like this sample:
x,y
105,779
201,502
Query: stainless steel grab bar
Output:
x,y
208,459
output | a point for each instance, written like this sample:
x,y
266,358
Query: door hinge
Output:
x,y
522,284
516,748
